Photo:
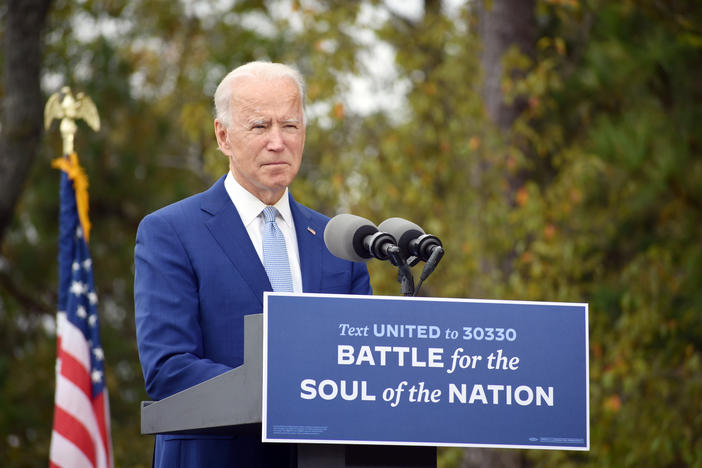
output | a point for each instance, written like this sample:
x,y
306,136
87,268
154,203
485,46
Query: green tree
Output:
x,y
620,221
589,192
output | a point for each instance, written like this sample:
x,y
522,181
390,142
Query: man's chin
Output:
x,y
279,178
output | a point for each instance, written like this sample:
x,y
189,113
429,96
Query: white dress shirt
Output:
x,y
250,208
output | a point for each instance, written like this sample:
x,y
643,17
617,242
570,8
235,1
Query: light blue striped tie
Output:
x,y
275,255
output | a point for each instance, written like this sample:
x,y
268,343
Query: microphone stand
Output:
x,y
404,274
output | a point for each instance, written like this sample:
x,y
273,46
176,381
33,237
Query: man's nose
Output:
x,y
275,139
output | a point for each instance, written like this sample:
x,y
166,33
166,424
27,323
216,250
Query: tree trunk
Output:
x,y
21,128
503,24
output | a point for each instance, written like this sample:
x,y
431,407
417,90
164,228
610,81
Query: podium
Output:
x,y
230,404
373,381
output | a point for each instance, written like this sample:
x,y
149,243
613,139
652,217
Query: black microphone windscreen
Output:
x,y
402,230
344,236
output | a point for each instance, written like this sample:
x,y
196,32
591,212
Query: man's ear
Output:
x,y
221,134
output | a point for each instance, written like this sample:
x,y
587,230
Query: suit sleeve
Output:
x,y
166,305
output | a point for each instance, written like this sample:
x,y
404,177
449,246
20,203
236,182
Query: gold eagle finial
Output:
x,y
63,105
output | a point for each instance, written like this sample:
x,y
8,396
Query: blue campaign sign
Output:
x,y
421,371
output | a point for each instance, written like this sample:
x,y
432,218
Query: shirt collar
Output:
x,y
250,207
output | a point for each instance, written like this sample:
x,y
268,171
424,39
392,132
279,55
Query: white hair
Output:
x,y
260,70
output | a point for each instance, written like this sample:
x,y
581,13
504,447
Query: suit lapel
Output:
x,y
310,237
226,227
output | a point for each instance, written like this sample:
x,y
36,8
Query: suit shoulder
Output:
x,y
186,204
174,214
188,207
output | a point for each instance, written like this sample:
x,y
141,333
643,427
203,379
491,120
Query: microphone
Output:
x,y
356,239
415,245
411,239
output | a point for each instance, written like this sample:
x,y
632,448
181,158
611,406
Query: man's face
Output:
x,y
267,135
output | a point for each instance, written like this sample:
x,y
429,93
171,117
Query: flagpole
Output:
x,y
81,428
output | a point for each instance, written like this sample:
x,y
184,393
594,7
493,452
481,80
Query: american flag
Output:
x,y
81,431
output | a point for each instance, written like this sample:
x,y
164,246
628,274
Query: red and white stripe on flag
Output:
x,y
81,432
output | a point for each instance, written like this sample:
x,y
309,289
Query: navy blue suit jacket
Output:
x,y
196,275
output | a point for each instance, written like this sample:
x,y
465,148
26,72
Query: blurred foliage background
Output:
x,y
553,145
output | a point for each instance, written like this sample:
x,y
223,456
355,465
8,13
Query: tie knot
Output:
x,y
269,214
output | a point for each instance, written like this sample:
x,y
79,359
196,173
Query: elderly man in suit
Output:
x,y
203,263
